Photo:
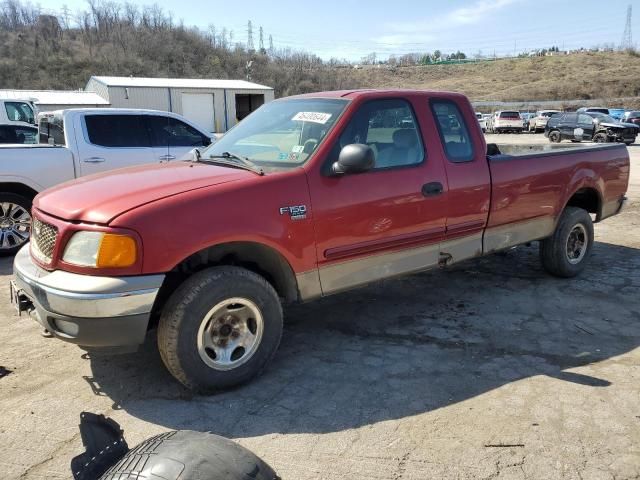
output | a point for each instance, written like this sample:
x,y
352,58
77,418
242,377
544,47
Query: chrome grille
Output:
x,y
43,240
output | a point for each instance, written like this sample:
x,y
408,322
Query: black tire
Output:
x,y
631,142
554,251
600,138
13,246
186,310
555,137
190,455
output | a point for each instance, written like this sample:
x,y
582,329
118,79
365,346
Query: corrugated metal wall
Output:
x,y
170,99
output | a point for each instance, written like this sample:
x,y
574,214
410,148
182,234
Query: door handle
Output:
x,y
432,189
93,160
167,157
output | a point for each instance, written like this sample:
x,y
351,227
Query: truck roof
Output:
x,y
378,93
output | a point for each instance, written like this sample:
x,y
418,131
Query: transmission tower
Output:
x,y
261,42
250,46
627,39
270,43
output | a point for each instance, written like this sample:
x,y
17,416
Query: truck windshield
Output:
x,y
281,134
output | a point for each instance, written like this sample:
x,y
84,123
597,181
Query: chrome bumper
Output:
x,y
87,310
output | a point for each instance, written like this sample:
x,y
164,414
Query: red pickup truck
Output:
x,y
308,196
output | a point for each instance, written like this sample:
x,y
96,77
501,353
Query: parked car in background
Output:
x,y
540,119
593,126
78,142
632,116
18,134
593,110
506,121
526,118
17,112
305,198
482,121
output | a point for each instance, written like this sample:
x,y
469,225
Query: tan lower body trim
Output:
x,y
345,275
353,273
512,234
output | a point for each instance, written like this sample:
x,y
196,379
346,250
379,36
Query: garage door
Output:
x,y
198,107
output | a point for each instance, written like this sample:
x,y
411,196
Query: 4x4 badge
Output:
x,y
296,212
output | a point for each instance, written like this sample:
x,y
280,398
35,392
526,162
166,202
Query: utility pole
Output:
x,y
627,39
250,46
261,41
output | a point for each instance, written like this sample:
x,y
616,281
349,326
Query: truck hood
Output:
x,y
102,197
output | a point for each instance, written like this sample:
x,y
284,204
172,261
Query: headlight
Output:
x,y
100,250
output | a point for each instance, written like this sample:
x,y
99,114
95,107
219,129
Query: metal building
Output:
x,y
48,100
215,105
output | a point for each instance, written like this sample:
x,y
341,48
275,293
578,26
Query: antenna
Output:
x,y
250,46
261,44
627,39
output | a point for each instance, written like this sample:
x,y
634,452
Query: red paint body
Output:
x,y
178,209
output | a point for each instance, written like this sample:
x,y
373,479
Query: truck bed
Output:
x,y
532,184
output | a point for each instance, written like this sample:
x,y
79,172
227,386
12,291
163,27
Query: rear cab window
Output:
x,y
51,130
117,131
453,130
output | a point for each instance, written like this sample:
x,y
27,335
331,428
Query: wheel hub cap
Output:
x,y
15,225
230,333
577,244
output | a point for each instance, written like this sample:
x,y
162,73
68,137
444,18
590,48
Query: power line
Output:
x,y
627,39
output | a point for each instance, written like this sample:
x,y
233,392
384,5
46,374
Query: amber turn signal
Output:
x,y
116,251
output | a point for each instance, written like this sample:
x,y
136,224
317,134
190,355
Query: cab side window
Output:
x,y
170,132
453,130
390,128
585,119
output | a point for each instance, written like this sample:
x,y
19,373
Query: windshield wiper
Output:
x,y
241,162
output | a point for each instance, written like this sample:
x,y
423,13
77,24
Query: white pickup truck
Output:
x,y
79,142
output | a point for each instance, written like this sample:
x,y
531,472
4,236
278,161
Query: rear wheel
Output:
x,y
565,253
601,138
15,222
554,136
220,328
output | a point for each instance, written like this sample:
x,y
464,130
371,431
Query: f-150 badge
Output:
x,y
296,212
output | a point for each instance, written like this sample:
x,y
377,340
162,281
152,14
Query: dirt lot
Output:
x,y
491,369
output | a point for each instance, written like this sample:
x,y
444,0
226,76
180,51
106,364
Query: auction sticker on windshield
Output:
x,y
316,117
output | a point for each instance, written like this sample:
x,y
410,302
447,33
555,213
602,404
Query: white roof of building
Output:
x,y
179,83
54,97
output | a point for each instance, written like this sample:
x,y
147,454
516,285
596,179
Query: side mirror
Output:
x,y
354,158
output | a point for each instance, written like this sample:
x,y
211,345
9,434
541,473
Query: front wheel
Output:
x,y
554,137
15,222
220,328
565,253
601,138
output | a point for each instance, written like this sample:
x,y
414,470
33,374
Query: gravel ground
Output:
x,y
491,369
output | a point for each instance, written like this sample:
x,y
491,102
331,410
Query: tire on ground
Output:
x,y
553,250
601,138
187,308
555,137
25,203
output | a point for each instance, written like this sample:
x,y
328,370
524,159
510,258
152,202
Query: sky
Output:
x,y
351,29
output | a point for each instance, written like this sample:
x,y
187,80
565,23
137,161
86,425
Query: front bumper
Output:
x,y
86,310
